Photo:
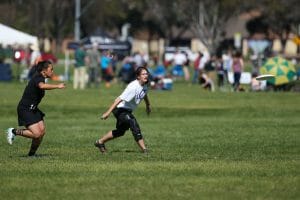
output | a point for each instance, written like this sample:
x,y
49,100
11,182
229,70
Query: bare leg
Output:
x,y
141,144
35,132
108,136
100,143
37,141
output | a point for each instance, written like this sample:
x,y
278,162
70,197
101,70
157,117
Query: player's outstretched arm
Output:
x,y
46,86
113,105
147,102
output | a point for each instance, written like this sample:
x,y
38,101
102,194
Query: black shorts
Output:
x,y
125,120
28,116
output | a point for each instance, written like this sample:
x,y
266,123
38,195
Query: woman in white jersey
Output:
x,y
122,108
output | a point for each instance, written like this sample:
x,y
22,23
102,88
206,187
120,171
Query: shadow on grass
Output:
x,y
36,156
123,151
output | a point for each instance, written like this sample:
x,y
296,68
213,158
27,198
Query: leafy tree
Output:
x,y
208,18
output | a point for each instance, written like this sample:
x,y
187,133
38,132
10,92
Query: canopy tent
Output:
x,y
10,36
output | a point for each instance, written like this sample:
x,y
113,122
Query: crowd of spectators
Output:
x,y
93,67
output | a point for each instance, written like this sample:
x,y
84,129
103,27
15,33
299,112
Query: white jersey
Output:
x,y
179,59
132,95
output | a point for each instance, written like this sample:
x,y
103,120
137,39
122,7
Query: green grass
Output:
x,y
202,145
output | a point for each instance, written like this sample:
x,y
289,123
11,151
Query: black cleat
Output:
x,y
31,153
100,146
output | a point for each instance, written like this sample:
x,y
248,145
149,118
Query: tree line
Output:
x,y
206,18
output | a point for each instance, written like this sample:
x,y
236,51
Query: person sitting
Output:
x,y
257,85
206,82
127,73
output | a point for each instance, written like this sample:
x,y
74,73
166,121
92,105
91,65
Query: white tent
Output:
x,y
10,36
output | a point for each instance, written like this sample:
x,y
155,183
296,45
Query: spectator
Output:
x,y
127,73
237,68
138,59
93,65
227,63
179,60
106,68
206,82
220,72
196,68
204,59
80,68
257,85
35,57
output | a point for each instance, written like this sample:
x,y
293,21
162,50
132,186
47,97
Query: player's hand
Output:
x,y
105,115
61,85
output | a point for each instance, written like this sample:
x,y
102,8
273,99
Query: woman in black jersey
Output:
x,y
29,115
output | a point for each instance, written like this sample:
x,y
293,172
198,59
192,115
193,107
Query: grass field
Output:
x,y
202,145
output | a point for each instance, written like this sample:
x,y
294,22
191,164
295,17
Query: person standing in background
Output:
x,y
106,68
237,68
227,63
179,60
35,57
93,56
196,68
80,68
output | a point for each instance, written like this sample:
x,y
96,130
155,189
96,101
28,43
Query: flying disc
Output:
x,y
264,77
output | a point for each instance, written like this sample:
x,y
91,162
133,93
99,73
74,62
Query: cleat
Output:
x,y
100,146
31,153
10,135
145,151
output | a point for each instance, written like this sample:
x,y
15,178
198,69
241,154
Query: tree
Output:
x,y
167,15
282,15
208,18
50,18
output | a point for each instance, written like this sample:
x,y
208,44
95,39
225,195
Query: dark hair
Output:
x,y
139,70
40,66
238,54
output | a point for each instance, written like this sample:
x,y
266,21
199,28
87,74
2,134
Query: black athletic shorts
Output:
x,y
125,120
28,115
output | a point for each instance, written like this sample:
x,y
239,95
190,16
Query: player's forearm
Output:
x,y
49,86
113,105
147,101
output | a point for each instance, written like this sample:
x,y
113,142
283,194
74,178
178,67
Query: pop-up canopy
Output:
x,y
10,36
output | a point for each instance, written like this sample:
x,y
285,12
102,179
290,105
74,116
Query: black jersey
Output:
x,y
33,95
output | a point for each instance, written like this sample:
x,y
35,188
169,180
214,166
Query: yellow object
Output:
x,y
297,40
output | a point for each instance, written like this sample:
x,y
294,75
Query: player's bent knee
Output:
x,y
37,135
137,136
117,133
